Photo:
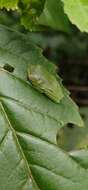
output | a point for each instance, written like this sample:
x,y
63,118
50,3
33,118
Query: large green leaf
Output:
x,y
29,122
9,4
53,16
40,109
24,152
18,51
77,12
27,150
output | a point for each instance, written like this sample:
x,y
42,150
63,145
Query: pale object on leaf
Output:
x,y
45,82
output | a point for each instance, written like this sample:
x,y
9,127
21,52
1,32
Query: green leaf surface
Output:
x,y
77,12
81,156
9,4
14,173
24,135
19,52
53,16
39,107
33,121
52,168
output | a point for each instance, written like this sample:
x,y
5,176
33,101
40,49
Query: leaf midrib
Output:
x,y
13,131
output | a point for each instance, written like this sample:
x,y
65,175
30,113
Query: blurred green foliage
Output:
x,y
71,137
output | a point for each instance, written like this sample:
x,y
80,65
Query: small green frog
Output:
x,y
45,82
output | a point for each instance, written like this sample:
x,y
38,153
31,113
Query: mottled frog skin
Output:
x,y
45,82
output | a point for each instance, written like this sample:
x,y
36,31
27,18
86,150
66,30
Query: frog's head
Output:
x,y
34,72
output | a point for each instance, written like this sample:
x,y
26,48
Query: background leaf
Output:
x,y
53,16
77,12
9,4
30,12
71,137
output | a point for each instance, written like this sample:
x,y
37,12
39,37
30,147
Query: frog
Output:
x,y
45,82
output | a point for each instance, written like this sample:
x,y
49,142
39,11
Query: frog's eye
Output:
x,y
40,81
